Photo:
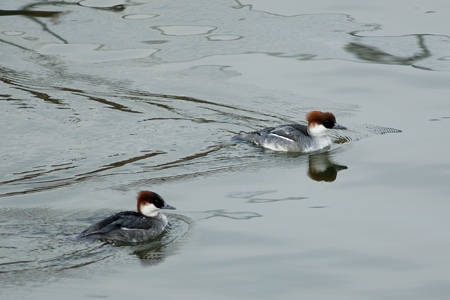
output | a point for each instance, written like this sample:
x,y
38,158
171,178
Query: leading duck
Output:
x,y
295,137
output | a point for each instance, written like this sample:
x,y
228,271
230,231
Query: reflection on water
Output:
x,y
373,54
78,115
242,215
91,106
254,197
156,251
322,168
82,146
30,13
231,28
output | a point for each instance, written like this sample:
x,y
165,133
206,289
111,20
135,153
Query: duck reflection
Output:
x,y
157,250
322,168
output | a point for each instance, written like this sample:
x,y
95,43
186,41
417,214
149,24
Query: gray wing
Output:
x,y
292,132
118,221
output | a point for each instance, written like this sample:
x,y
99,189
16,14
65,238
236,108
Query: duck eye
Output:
x,y
328,124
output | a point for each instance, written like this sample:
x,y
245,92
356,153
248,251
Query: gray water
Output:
x,y
101,99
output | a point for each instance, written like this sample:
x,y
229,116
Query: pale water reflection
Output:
x,y
256,32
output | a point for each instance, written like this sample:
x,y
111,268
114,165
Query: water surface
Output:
x,y
101,99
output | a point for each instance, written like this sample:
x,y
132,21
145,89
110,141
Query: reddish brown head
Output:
x,y
149,202
327,119
319,122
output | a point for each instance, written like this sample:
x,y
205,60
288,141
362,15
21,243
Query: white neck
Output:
x,y
317,129
149,210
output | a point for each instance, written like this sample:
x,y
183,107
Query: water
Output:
x,y
101,99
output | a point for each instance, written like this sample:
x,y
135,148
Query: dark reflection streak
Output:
x,y
12,44
175,111
30,176
153,95
83,264
54,265
16,262
115,8
66,89
146,181
5,80
374,54
33,15
26,12
60,165
122,163
422,68
164,119
187,176
188,158
47,98
38,95
164,106
195,100
35,190
30,13
80,177
195,120
235,116
240,5
107,167
113,105
43,25
43,96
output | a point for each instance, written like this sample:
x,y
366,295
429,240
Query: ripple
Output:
x,y
255,197
184,30
215,38
37,244
90,53
13,33
139,17
100,3
144,156
359,132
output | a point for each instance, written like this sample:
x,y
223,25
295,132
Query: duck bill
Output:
x,y
167,206
337,126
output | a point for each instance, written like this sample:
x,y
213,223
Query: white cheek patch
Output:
x,y
317,130
281,137
149,210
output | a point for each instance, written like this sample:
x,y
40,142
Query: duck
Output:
x,y
131,226
295,137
